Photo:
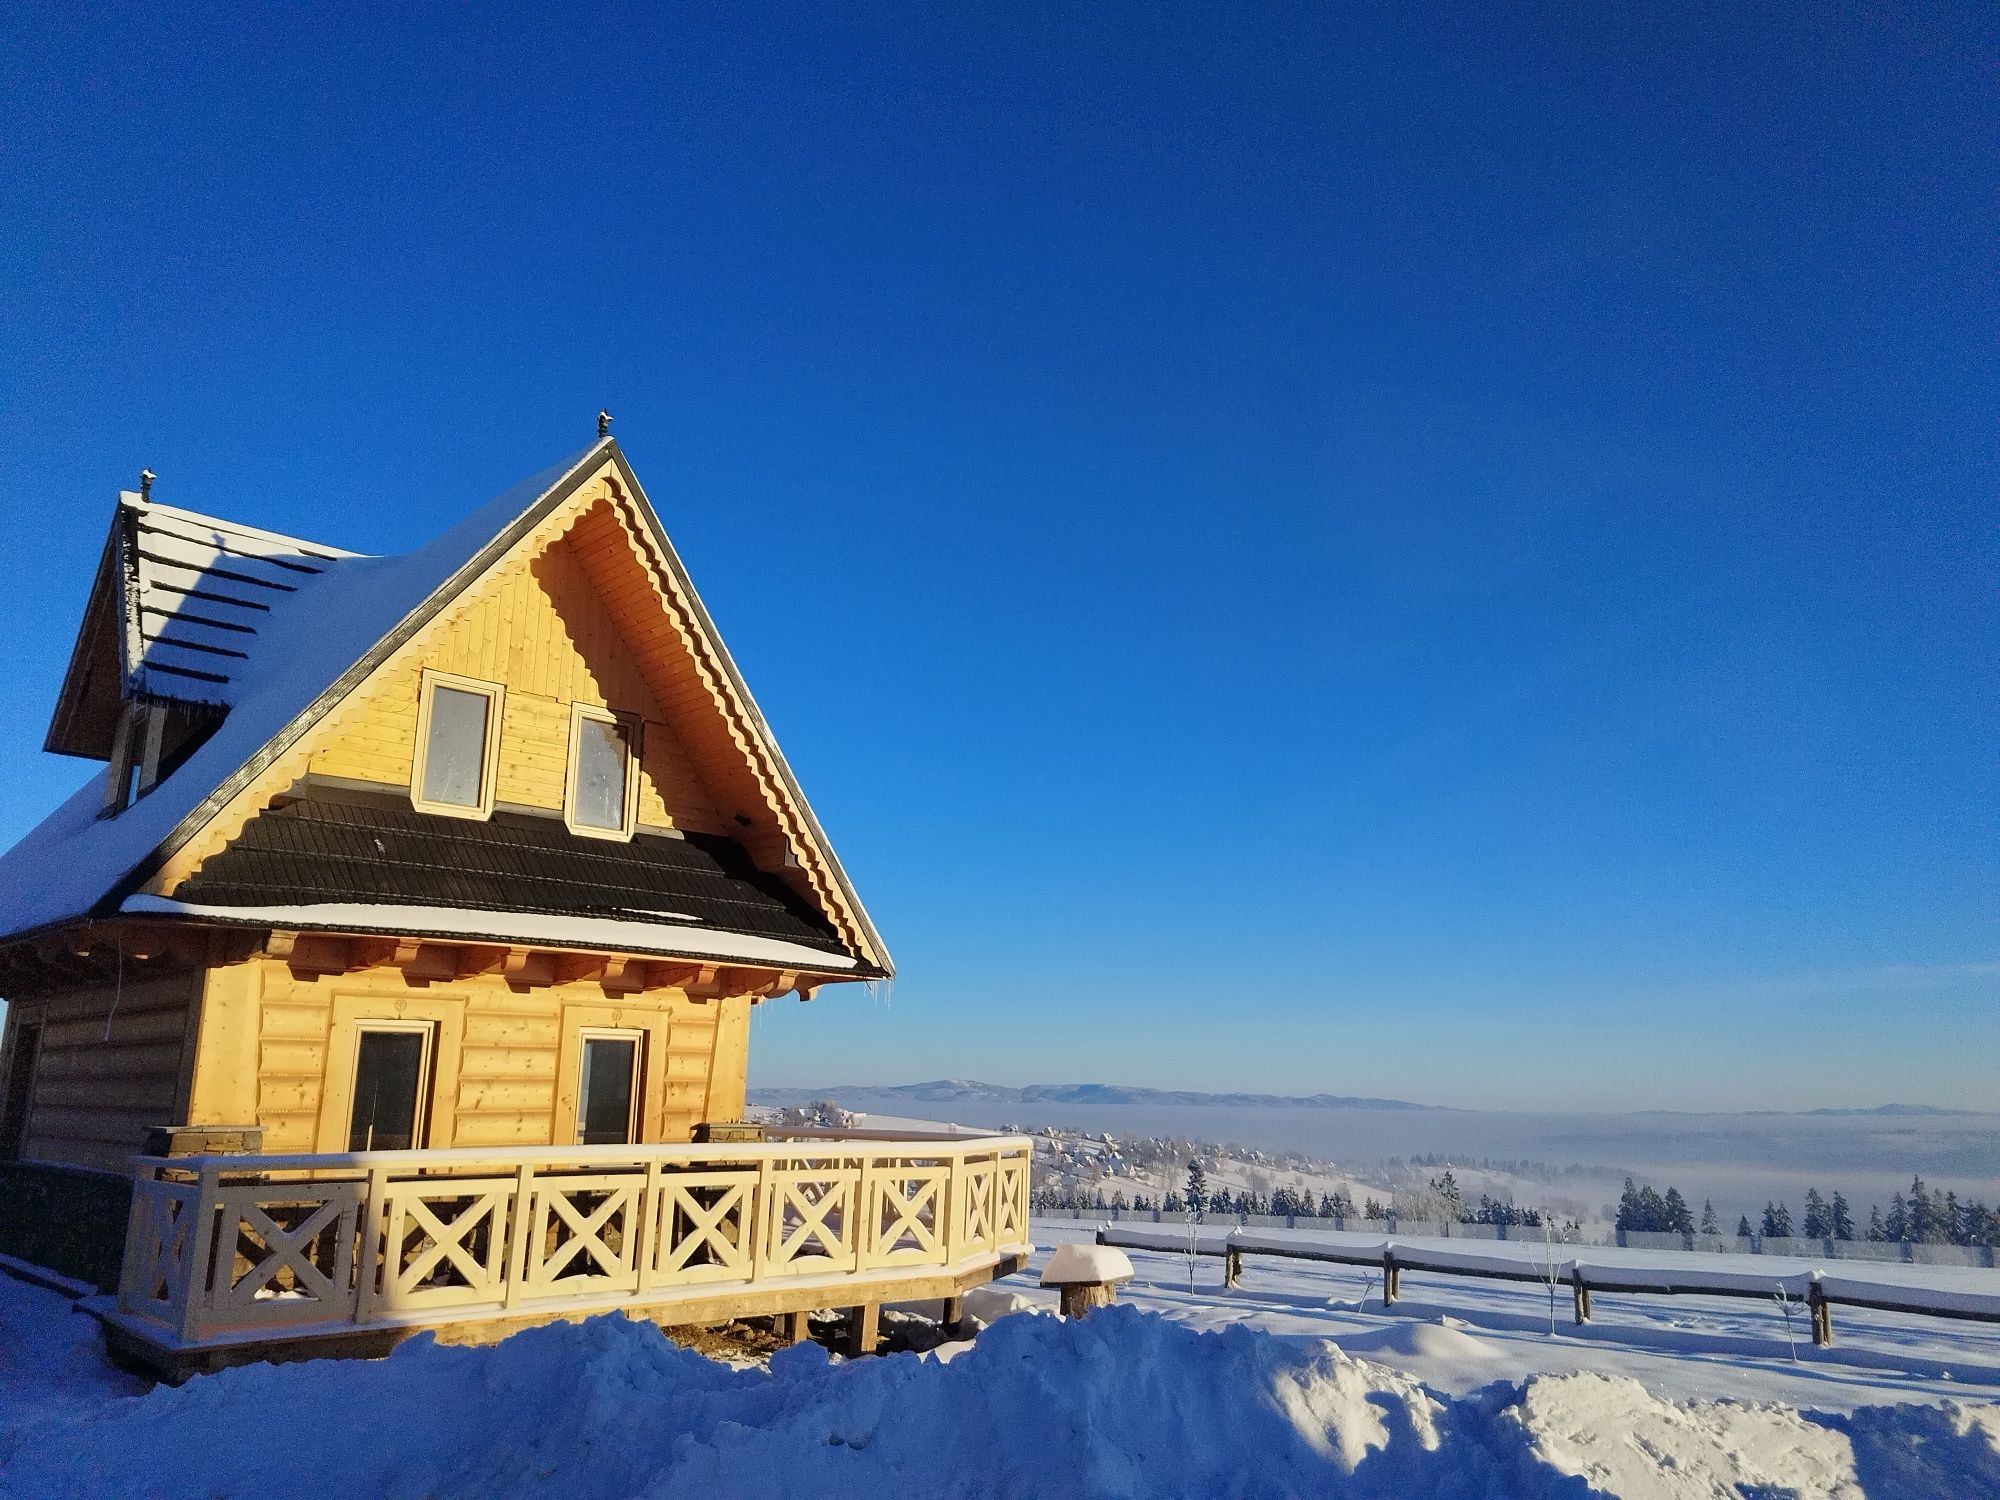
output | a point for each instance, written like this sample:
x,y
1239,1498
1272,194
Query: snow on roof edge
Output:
x,y
500,926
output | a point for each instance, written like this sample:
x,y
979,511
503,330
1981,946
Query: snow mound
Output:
x,y
986,1305
1434,1343
1609,1431
1121,1404
1075,1262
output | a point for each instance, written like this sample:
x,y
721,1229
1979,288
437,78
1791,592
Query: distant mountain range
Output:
x,y
962,1090
972,1091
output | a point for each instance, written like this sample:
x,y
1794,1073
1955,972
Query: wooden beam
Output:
x,y
428,960
474,961
310,952
573,968
623,975
528,967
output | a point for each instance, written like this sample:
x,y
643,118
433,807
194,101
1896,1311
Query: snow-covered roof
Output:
x,y
309,654
201,597
329,619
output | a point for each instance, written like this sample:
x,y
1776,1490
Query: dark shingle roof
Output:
x,y
315,851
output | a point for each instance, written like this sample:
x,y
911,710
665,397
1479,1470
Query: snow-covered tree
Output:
x,y
1197,1188
1708,1224
1841,1217
1743,1226
1818,1221
1445,1186
1777,1221
1677,1218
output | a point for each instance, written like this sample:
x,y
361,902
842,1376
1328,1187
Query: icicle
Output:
x,y
117,988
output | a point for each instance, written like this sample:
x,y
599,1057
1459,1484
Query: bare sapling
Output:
x,y
1785,1307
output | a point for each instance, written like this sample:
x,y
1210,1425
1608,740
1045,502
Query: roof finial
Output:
x,y
146,477
604,424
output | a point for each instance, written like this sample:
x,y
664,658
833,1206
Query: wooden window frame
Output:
x,y
26,1040
634,727
489,772
351,1013
636,1113
420,1126
577,1019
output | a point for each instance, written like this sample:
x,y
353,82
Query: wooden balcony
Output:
x,y
233,1257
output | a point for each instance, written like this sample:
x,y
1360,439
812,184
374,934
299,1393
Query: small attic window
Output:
x,y
458,745
603,792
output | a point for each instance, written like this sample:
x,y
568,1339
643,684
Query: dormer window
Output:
x,y
458,746
603,792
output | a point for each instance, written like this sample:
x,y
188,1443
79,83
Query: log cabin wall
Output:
x,y
540,628
112,1061
277,1050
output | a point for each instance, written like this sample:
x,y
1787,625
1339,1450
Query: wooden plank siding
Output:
x,y
539,628
111,1064
503,1079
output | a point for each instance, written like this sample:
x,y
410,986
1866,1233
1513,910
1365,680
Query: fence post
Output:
x,y
1580,1295
1391,1286
1232,1266
1822,1315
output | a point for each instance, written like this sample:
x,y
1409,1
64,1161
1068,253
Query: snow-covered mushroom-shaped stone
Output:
x,y
1088,1276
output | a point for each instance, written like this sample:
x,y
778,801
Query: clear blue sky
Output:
x,y
1450,558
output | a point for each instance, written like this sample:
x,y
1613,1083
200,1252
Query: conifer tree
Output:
x,y
1842,1217
1777,1221
1677,1218
1197,1188
1818,1223
1875,1228
1897,1225
1629,1212
1446,1187
1743,1226
1708,1224
1923,1214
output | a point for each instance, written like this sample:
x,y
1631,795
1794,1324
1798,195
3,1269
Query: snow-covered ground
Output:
x,y
1296,1383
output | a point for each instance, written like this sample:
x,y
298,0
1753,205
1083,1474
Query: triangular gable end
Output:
x,y
598,514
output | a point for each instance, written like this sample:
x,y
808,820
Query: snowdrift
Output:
x,y
1122,1403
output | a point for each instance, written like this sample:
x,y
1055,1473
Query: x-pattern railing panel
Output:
x,y
906,1215
238,1244
707,1226
583,1227
460,1227
322,1229
977,1208
813,1222
161,1234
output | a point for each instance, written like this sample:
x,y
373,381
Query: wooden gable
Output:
x,y
587,605
538,627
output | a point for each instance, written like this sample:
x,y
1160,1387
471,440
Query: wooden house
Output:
x,y
445,884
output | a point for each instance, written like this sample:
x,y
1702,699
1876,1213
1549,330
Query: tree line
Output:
x,y
1923,1216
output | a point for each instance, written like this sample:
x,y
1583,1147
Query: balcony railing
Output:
x,y
226,1249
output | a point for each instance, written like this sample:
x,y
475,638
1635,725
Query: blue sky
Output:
x,y
1446,556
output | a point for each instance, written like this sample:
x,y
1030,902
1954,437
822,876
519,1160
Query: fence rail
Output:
x,y
1891,1251
224,1248
1816,1290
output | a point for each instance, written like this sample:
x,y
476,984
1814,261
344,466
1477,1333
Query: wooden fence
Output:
x,y
238,1248
1815,1290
